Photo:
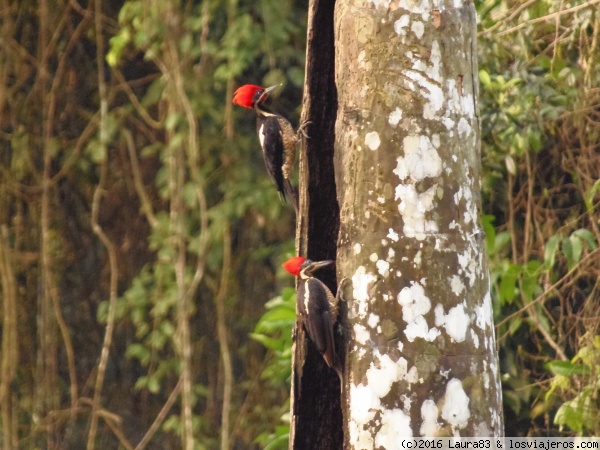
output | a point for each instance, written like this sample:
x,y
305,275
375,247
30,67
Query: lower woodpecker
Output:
x,y
318,308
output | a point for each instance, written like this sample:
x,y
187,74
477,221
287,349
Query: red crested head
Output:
x,y
294,264
245,95
250,95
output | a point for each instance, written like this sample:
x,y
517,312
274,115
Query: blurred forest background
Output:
x,y
136,216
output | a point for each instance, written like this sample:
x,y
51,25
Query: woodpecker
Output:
x,y
276,135
318,308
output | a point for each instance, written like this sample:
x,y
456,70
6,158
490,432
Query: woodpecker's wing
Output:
x,y
314,303
271,142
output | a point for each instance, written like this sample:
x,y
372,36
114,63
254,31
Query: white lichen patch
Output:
x,y
382,376
461,105
383,267
429,415
483,313
422,7
366,405
404,373
420,160
373,320
417,259
357,248
456,405
469,265
395,425
464,128
456,285
413,207
381,3
360,285
418,29
391,255
418,328
470,208
427,77
474,338
363,405
361,334
395,116
393,235
372,140
373,257
414,302
456,322
449,124
491,373
412,376
401,24
435,59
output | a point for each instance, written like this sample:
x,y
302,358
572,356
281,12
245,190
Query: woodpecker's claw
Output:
x,y
302,131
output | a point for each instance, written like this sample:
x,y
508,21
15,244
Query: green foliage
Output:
x,y
186,204
274,331
227,171
578,380
200,178
538,141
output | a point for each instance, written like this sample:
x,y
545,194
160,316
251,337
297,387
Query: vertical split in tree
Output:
x,y
421,357
316,415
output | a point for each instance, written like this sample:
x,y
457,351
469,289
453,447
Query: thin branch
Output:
x,y
10,345
156,124
222,335
160,418
508,17
556,32
98,231
138,182
113,423
173,74
549,291
47,183
549,17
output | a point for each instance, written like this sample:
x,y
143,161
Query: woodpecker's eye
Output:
x,y
258,96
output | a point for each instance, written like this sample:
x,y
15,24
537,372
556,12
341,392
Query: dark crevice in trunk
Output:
x,y
317,414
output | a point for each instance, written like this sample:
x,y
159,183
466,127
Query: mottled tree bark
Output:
x,y
421,357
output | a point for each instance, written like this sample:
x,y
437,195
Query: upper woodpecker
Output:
x,y
318,308
276,135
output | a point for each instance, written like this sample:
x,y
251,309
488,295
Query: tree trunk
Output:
x,y
421,357
316,415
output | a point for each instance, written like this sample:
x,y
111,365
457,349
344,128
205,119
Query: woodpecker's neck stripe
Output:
x,y
263,110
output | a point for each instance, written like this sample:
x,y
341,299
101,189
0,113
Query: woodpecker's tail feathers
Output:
x,y
336,365
302,130
338,369
290,192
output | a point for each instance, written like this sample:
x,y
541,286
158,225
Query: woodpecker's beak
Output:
x,y
266,93
316,265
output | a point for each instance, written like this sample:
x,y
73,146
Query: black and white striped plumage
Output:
x,y
317,306
278,143
277,138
